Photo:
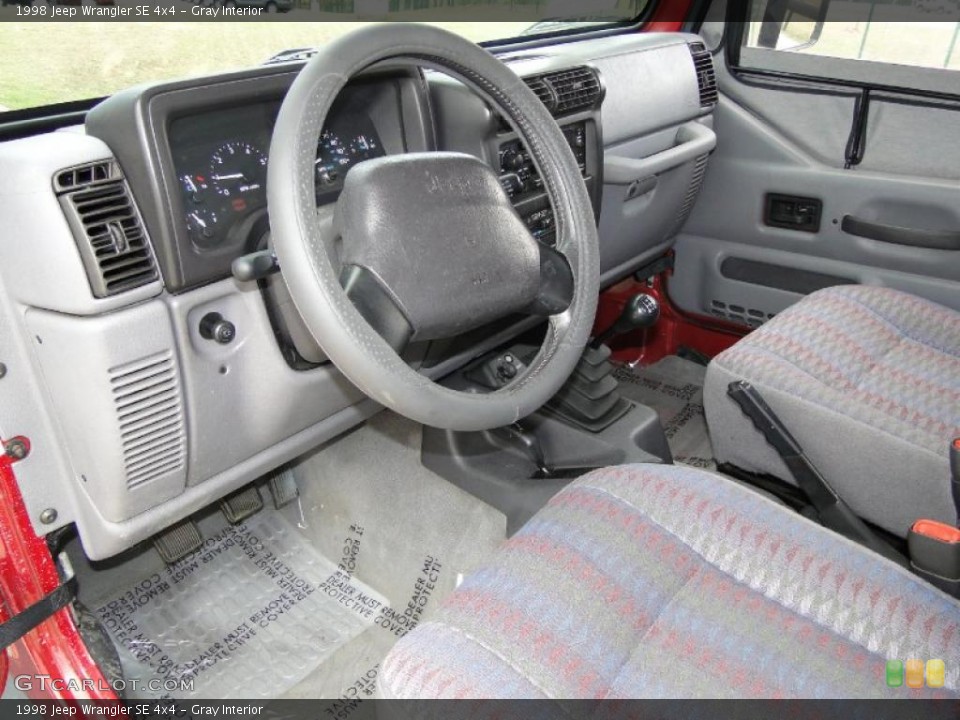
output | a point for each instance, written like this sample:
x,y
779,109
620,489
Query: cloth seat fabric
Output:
x,y
867,379
650,581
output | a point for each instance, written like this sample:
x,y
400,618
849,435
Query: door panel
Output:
x,y
774,138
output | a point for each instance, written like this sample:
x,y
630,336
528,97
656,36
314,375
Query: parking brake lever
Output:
x,y
834,513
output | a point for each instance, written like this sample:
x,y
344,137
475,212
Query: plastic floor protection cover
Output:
x,y
674,388
256,601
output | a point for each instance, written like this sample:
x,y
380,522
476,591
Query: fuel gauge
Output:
x,y
202,224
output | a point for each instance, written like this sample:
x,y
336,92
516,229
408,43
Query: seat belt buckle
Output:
x,y
935,554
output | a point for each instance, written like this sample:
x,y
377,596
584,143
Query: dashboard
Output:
x,y
133,222
195,155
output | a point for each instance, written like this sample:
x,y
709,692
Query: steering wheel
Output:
x,y
427,245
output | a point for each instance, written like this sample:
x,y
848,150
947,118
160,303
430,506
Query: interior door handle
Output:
x,y
693,140
932,239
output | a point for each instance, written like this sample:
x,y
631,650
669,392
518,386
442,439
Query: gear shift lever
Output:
x,y
640,312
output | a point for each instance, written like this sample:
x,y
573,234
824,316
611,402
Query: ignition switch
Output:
x,y
215,327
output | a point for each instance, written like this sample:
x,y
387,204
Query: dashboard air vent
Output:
x,y
147,397
542,91
109,231
85,175
564,92
706,77
575,89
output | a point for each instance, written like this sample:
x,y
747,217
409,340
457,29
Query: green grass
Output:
x,y
43,63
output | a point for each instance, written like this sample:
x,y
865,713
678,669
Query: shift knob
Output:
x,y
640,312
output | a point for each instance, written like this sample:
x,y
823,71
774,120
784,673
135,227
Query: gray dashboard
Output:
x,y
138,418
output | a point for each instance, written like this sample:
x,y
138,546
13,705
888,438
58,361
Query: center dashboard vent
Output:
x,y
565,91
706,76
574,89
107,226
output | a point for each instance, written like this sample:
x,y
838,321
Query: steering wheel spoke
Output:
x,y
556,283
377,306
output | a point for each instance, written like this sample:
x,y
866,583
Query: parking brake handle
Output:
x,y
833,511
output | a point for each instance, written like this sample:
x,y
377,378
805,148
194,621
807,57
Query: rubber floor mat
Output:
x,y
257,601
674,388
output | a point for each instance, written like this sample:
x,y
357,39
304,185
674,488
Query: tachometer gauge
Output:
x,y
238,168
333,160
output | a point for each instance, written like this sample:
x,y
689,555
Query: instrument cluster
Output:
x,y
221,164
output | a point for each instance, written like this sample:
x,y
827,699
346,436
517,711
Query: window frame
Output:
x,y
735,34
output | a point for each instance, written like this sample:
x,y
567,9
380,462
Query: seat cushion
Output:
x,y
868,381
666,581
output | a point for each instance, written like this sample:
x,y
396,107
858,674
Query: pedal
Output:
x,y
242,504
283,487
178,542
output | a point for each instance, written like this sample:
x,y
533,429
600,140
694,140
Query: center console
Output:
x,y
520,178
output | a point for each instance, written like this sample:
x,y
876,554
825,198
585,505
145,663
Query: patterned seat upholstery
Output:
x,y
664,581
868,381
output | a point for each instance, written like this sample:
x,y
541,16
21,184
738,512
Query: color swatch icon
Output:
x,y
894,673
912,673
914,670
935,673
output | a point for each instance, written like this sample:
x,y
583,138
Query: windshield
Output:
x,y
43,63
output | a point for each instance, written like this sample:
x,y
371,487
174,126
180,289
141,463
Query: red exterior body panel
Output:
x,y
27,573
674,329
668,16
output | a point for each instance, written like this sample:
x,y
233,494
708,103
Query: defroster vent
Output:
x,y
107,226
706,76
149,407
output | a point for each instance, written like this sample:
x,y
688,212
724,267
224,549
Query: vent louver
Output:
x,y
564,92
147,397
107,226
739,314
574,89
706,77
542,91
85,175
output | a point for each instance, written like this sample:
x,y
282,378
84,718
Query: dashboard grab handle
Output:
x,y
693,140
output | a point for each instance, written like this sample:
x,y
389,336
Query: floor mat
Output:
x,y
256,601
674,388
375,538
368,502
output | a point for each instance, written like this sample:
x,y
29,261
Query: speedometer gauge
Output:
x,y
238,169
333,160
364,147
